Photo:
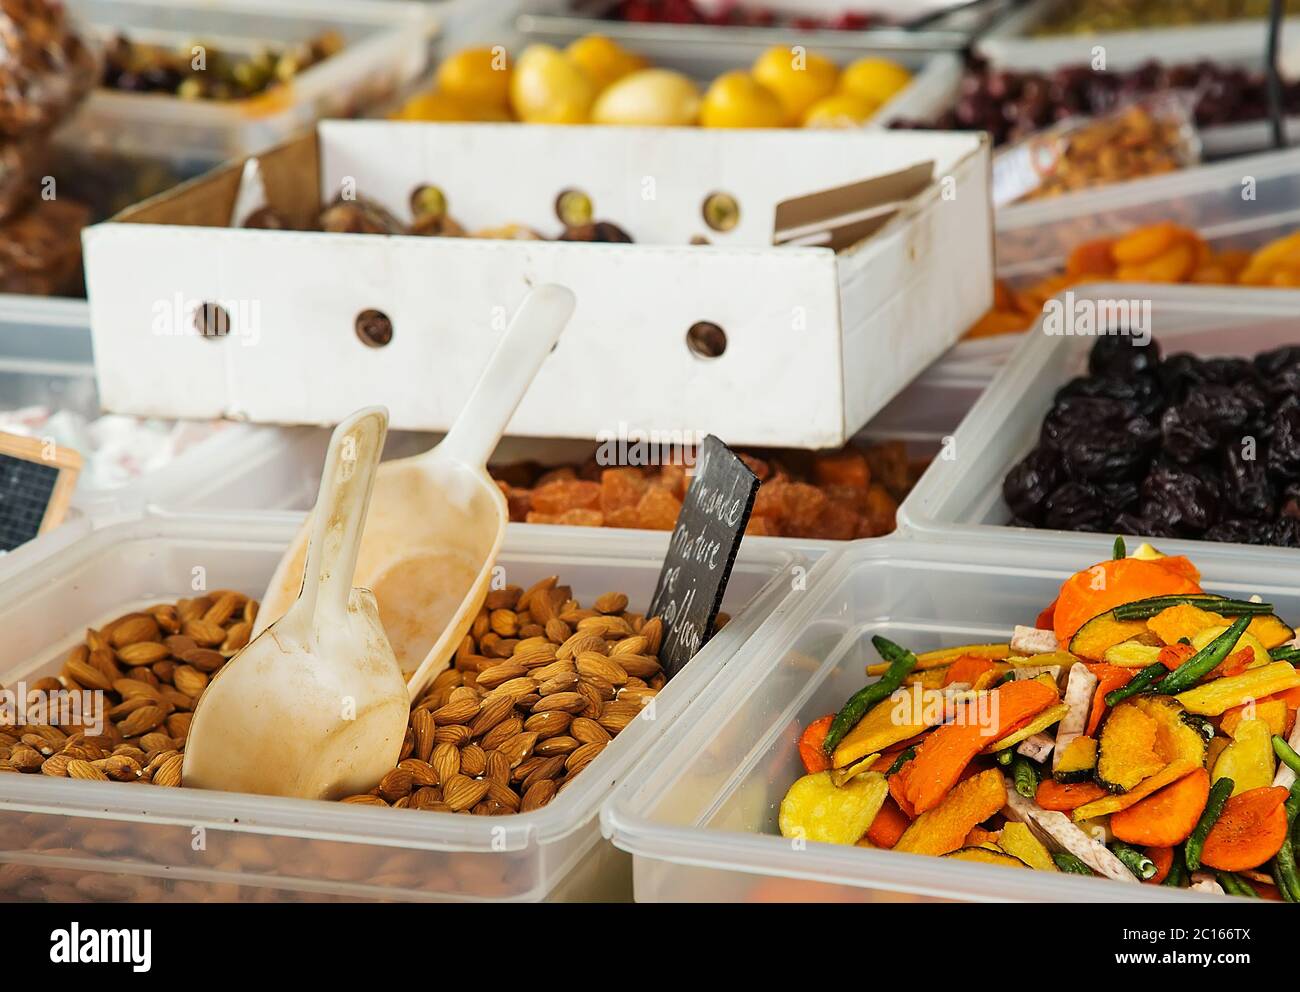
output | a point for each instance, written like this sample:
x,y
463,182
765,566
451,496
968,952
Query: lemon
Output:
x,y
737,99
799,78
548,88
435,106
476,76
604,61
876,80
651,96
839,110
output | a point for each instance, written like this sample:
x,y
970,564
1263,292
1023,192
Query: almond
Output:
x,y
56,766
636,644
237,636
141,721
204,659
496,767
422,723
589,731
548,724
560,682
570,702
500,792
560,744
642,666
86,771
397,783
582,757
610,602
579,642
547,768
545,585
189,680
422,773
557,631
456,734
463,792
86,675
537,795
498,674
204,634
473,760
365,800
519,747
134,628
178,725
223,609
168,773
493,711
653,632
598,665
501,733
445,762
143,653
458,711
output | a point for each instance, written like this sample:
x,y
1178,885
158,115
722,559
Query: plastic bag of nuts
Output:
x,y
1146,137
46,66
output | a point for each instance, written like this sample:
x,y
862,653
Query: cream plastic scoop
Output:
x,y
316,706
437,519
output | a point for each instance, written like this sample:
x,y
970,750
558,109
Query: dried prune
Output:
x,y
1246,486
1123,355
1241,531
1120,496
1181,497
1179,375
1286,533
1284,440
1096,451
1284,382
1141,394
1198,425
1228,371
1027,486
1270,363
1139,526
1077,506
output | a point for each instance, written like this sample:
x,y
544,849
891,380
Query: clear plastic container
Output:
x,y
700,819
1244,203
141,143
964,494
115,841
1010,44
46,360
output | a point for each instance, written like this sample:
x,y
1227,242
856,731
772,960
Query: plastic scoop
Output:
x,y
437,519
315,707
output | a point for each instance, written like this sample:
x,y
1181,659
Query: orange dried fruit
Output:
x,y
842,468
881,510
621,488
563,495
658,509
1091,258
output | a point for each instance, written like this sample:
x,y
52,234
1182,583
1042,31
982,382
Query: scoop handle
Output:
x,y
529,338
339,518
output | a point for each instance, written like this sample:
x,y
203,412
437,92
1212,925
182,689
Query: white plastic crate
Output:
x,y
119,841
700,817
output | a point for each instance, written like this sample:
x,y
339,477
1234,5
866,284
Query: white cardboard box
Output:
x,y
817,340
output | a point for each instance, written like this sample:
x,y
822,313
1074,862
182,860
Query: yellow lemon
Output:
x,y
876,80
434,106
798,77
604,61
839,110
477,76
547,88
651,96
737,99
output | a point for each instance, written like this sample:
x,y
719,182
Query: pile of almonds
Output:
x,y
151,666
537,689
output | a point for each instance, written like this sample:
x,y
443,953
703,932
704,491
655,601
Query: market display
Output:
x,y
837,496
595,80
1142,731
1157,253
733,13
1169,446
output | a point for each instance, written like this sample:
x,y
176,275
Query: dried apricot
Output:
x,y
621,488
1145,243
658,509
1091,258
889,467
842,468
566,494
881,510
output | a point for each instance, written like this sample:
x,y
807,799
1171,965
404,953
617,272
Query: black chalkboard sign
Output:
x,y
36,482
702,551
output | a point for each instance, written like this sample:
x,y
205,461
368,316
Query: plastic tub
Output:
x,y
1033,239
135,145
46,359
1009,43
936,88
965,494
107,840
700,818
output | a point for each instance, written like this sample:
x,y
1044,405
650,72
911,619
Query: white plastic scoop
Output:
x,y
437,520
315,707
